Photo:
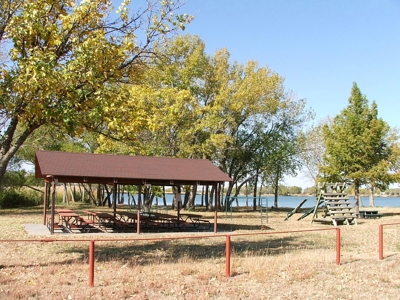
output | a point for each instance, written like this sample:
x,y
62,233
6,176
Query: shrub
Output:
x,y
11,199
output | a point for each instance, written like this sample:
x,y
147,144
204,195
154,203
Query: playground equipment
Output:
x,y
291,213
338,208
309,212
265,207
228,206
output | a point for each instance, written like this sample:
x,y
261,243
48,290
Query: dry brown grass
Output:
x,y
277,266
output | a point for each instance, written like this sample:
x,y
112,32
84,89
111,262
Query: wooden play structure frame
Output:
x,y
338,208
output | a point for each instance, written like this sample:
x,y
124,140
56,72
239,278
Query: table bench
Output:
x,y
369,214
195,221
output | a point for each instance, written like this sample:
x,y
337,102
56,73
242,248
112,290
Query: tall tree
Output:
x,y
313,149
357,147
63,60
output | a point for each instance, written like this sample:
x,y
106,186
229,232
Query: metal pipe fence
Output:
x,y
381,238
227,244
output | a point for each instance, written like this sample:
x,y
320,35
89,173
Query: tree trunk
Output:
x,y
177,202
148,198
211,199
255,194
186,198
371,196
164,198
108,197
10,143
247,195
82,191
202,196
99,195
65,194
206,195
357,197
192,197
71,191
276,191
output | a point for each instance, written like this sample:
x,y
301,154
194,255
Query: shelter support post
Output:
x,y
115,197
53,203
138,210
45,201
179,200
217,193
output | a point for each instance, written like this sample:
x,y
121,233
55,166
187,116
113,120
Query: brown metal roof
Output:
x,y
125,169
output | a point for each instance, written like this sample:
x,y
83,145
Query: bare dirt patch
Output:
x,y
276,266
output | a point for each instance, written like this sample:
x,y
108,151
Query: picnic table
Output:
x,y
128,217
369,214
195,221
108,222
70,220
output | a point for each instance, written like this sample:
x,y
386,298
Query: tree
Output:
x,y
313,149
64,61
357,146
283,143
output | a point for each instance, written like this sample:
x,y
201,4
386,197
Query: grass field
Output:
x,y
275,266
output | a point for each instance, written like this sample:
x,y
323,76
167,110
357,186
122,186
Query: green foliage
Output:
x,y
14,179
356,144
11,198
63,62
358,147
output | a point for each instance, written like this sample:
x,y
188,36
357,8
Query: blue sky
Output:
x,y
319,47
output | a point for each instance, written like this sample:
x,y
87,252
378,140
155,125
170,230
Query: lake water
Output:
x,y
289,201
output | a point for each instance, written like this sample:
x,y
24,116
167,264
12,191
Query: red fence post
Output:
x,y
337,246
380,242
228,256
91,264
138,222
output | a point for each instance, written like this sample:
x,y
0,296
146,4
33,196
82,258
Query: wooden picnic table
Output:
x,y
108,222
66,217
369,214
63,210
194,221
71,220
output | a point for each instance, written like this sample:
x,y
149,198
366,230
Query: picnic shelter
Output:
x,y
71,167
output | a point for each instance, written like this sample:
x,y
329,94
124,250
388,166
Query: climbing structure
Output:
x,y
337,208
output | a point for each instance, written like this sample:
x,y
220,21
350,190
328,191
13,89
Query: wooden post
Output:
x,y
53,202
115,197
216,188
45,199
179,200
138,211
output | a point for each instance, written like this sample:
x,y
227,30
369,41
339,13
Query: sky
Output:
x,y
320,47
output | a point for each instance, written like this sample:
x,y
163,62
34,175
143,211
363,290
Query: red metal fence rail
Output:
x,y
227,244
381,238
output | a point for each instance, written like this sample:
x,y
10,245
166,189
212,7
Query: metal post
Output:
x,y
266,210
337,246
228,256
380,242
91,264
